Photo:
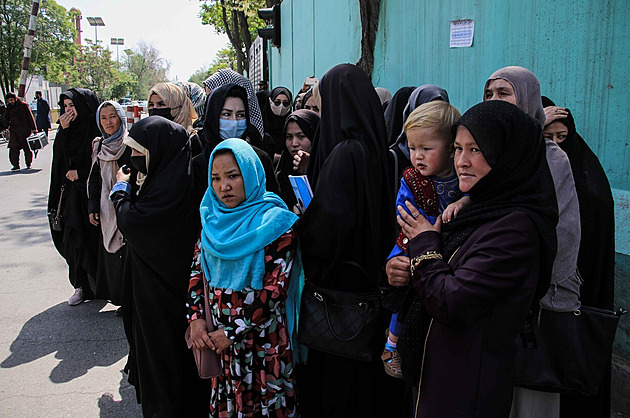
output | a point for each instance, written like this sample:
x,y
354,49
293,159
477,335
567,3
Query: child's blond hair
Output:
x,y
438,115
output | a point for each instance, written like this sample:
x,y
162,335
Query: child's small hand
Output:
x,y
454,208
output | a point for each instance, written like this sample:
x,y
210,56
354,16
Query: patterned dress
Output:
x,y
258,375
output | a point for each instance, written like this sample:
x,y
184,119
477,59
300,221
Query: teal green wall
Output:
x,y
579,50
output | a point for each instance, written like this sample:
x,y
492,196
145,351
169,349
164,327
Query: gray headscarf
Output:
x,y
421,95
526,88
383,94
227,76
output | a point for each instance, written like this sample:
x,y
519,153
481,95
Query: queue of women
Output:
x,y
463,224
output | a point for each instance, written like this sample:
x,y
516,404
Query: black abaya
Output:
x,y
349,219
159,228
72,149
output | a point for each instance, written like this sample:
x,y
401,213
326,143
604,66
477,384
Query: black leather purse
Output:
x,y
341,323
54,216
572,353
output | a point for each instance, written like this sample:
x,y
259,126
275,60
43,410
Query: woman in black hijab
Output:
x,y
299,131
492,267
213,135
596,258
350,219
159,226
77,242
275,113
394,113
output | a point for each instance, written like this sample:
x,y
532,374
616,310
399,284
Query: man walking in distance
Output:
x,y
21,125
43,118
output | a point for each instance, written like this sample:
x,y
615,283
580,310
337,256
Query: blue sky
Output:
x,y
173,26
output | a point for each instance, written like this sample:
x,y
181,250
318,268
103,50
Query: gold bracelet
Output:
x,y
431,255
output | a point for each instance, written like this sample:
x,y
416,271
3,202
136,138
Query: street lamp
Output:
x,y
96,22
117,41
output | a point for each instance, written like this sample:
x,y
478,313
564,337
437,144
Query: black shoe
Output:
x,y
15,168
28,167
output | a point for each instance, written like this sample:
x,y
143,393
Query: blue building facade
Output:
x,y
578,49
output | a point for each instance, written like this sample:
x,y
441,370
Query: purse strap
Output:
x,y
206,304
366,311
58,214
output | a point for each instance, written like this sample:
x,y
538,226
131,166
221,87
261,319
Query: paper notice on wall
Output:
x,y
462,32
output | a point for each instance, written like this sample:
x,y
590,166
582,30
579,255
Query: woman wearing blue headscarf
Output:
x,y
247,253
108,155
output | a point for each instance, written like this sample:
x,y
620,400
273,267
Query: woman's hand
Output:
x,y
300,161
553,113
454,208
94,219
199,335
72,175
398,271
219,340
413,225
121,176
66,118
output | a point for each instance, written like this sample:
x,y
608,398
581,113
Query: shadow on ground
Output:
x,y
22,171
24,227
81,336
126,407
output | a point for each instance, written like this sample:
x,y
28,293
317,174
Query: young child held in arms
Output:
x,y
430,184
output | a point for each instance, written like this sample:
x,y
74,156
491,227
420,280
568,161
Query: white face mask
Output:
x,y
279,110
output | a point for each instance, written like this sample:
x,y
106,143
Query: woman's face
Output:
x,y
470,164
311,104
556,132
110,122
295,139
68,106
227,180
156,102
233,109
282,100
500,89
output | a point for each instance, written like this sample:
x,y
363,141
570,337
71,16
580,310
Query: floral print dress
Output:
x,y
258,375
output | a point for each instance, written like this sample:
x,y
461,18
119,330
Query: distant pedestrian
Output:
x,y
43,114
21,125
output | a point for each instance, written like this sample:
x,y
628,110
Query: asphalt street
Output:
x,y
55,360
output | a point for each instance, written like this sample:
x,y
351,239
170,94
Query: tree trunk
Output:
x,y
369,10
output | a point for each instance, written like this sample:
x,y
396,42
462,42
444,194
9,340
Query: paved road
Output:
x,y
55,360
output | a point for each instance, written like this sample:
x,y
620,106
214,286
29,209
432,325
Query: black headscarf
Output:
x,y
308,121
79,135
596,259
273,123
520,180
165,198
214,105
350,217
394,113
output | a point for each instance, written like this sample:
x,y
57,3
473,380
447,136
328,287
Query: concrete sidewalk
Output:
x,y
55,360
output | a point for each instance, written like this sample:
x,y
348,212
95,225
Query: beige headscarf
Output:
x,y
176,98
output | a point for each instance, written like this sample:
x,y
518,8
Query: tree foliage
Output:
x,y
53,46
146,66
225,58
94,69
239,20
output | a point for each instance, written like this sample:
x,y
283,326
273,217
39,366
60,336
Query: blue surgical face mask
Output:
x,y
232,128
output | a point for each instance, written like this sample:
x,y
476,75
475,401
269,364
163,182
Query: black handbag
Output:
x,y
572,351
54,216
341,323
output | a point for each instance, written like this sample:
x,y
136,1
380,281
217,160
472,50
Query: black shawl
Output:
x,y
394,113
159,226
72,150
308,121
520,180
273,123
350,217
596,259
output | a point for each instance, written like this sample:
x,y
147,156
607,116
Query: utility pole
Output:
x,y
28,46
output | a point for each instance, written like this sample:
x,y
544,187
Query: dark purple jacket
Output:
x,y
478,302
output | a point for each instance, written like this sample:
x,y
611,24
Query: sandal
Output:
x,y
391,363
